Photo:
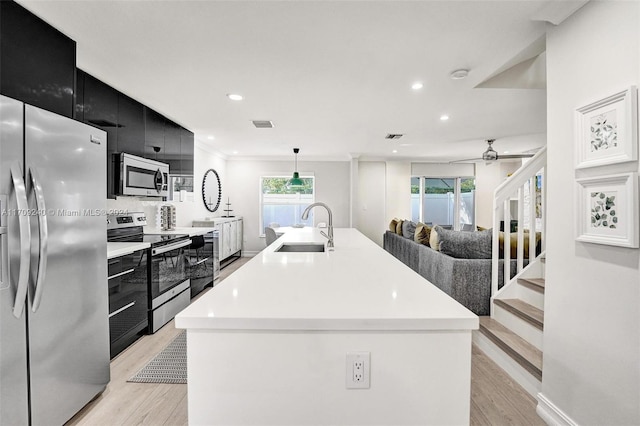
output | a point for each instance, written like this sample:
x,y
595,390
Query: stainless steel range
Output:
x,y
168,266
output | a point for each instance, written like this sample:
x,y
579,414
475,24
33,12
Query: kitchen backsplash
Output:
x,y
186,211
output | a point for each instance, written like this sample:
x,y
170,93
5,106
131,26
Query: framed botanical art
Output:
x,y
608,210
607,130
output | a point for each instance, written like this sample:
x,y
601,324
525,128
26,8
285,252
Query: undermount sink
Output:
x,y
301,248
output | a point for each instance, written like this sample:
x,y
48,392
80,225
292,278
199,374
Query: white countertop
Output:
x,y
358,286
215,220
179,230
120,249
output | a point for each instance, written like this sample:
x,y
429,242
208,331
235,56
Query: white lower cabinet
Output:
x,y
230,237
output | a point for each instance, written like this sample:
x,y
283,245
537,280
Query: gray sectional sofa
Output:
x,y
466,280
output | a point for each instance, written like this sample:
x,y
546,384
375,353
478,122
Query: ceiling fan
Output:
x,y
492,155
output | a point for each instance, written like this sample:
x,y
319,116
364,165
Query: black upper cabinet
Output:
x,y
131,131
100,108
101,105
37,62
186,152
172,134
153,135
132,128
78,95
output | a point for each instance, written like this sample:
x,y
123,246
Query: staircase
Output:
x,y
512,335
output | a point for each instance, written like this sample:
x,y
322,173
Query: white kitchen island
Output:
x,y
268,346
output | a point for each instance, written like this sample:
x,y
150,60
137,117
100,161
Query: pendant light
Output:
x,y
295,182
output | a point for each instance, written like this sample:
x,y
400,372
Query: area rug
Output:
x,y
169,366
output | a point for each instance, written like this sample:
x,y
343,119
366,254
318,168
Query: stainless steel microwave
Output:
x,y
141,176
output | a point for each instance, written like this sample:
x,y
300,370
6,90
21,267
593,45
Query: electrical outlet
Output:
x,y
358,370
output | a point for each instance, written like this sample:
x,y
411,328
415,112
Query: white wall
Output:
x,y
591,368
398,183
488,177
371,217
332,186
191,209
384,192
442,169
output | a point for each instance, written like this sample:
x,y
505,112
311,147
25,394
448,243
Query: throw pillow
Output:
x,y
513,246
433,238
465,245
422,234
399,227
408,229
392,224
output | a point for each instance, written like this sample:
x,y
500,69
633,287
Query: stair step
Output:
x,y
523,310
523,352
536,284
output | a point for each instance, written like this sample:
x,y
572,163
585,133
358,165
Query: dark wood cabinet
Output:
x,y
37,62
153,135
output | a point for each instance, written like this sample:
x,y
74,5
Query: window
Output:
x,y
448,202
284,206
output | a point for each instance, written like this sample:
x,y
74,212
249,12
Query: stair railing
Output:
x,y
527,186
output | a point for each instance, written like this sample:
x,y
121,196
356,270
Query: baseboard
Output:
x,y
517,373
551,414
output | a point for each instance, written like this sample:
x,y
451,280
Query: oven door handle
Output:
x,y
170,247
124,308
128,271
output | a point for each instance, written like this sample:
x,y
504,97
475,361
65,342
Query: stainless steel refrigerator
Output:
x,y
54,330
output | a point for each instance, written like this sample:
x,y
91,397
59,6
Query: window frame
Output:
x,y
281,176
457,197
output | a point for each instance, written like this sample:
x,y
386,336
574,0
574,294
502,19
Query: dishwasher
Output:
x,y
204,260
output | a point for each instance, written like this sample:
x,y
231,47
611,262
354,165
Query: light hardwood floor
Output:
x,y
495,398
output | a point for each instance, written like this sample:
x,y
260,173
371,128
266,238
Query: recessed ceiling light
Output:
x,y
444,117
459,74
395,151
416,86
235,152
234,96
210,137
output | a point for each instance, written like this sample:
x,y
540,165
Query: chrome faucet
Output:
x,y
305,216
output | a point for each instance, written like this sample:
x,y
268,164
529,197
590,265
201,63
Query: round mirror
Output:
x,y
211,190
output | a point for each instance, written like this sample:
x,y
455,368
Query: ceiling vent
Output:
x,y
393,136
262,124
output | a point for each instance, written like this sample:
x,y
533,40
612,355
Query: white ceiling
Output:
x,y
334,76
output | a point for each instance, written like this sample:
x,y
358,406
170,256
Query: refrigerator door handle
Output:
x,y
25,239
44,239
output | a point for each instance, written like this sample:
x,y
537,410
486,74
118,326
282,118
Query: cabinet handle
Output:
x,y
122,309
128,271
201,261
